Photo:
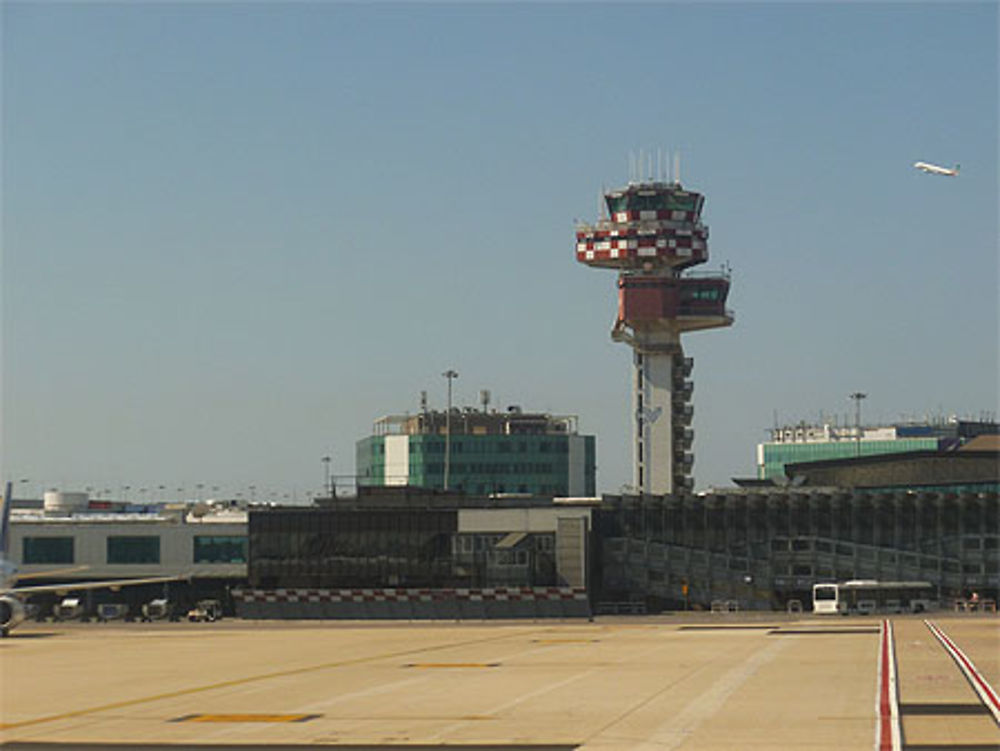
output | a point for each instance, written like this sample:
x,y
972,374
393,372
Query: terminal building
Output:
x,y
485,452
928,515
796,444
76,539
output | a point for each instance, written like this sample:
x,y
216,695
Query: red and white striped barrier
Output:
x,y
487,594
986,692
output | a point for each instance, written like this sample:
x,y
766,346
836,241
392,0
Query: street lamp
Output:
x,y
450,375
857,396
326,476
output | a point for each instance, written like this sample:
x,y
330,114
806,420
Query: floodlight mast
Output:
x,y
653,235
450,375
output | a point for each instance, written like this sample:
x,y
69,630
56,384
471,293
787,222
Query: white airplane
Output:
x,y
12,610
935,170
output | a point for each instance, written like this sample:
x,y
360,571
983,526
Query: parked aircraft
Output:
x,y
936,170
12,610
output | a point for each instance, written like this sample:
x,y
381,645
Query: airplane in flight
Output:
x,y
936,170
12,610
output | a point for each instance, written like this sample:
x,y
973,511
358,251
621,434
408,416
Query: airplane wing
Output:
x,y
51,572
74,586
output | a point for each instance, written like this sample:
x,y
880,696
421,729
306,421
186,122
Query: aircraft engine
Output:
x,y
12,612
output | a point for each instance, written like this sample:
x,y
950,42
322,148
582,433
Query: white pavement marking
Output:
x,y
986,692
522,698
682,725
888,730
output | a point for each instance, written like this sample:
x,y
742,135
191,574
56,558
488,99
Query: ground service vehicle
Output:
x,y
205,610
868,596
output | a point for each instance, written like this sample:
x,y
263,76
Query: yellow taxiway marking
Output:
x,y
244,681
565,641
246,718
452,665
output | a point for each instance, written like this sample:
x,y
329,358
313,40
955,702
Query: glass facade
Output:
x,y
47,550
127,549
220,549
406,547
777,455
346,548
486,464
654,201
787,541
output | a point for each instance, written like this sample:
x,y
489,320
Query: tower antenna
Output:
x,y
677,167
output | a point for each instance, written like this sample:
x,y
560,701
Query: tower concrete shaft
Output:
x,y
653,234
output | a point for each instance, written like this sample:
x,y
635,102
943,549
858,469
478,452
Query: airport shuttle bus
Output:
x,y
867,596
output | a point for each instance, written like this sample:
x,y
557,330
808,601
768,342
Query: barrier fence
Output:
x,y
413,604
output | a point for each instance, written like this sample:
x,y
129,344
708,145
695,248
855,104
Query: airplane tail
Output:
x,y
958,167
8,501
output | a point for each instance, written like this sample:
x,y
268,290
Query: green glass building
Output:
x,y
485,452
772,457
797,444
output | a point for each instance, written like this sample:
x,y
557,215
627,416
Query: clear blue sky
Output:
x,y
234,234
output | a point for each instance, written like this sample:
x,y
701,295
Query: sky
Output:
x,y
235,234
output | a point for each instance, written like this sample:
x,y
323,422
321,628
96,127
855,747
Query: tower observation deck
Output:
x,y
654,234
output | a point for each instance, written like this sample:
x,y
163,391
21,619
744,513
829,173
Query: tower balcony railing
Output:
x,y
684,459
722,273
679,384
606,225
683,367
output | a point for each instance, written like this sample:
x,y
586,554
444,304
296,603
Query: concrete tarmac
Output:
x,y
658,682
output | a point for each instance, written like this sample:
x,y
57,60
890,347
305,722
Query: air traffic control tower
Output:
x,y
654,234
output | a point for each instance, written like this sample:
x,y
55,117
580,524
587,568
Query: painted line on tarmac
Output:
x,y
684,723
888,730
446,665
246,718
986,692
243,681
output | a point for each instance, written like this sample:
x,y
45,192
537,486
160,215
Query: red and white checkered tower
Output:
x,y
653,235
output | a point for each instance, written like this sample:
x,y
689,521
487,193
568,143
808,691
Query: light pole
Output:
x,y
326,476
857,396
450,375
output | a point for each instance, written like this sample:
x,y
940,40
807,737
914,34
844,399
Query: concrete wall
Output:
x,y
531,520
571,552
577,469
397,460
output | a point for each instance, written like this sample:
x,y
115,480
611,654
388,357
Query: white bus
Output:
x,y
867,596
